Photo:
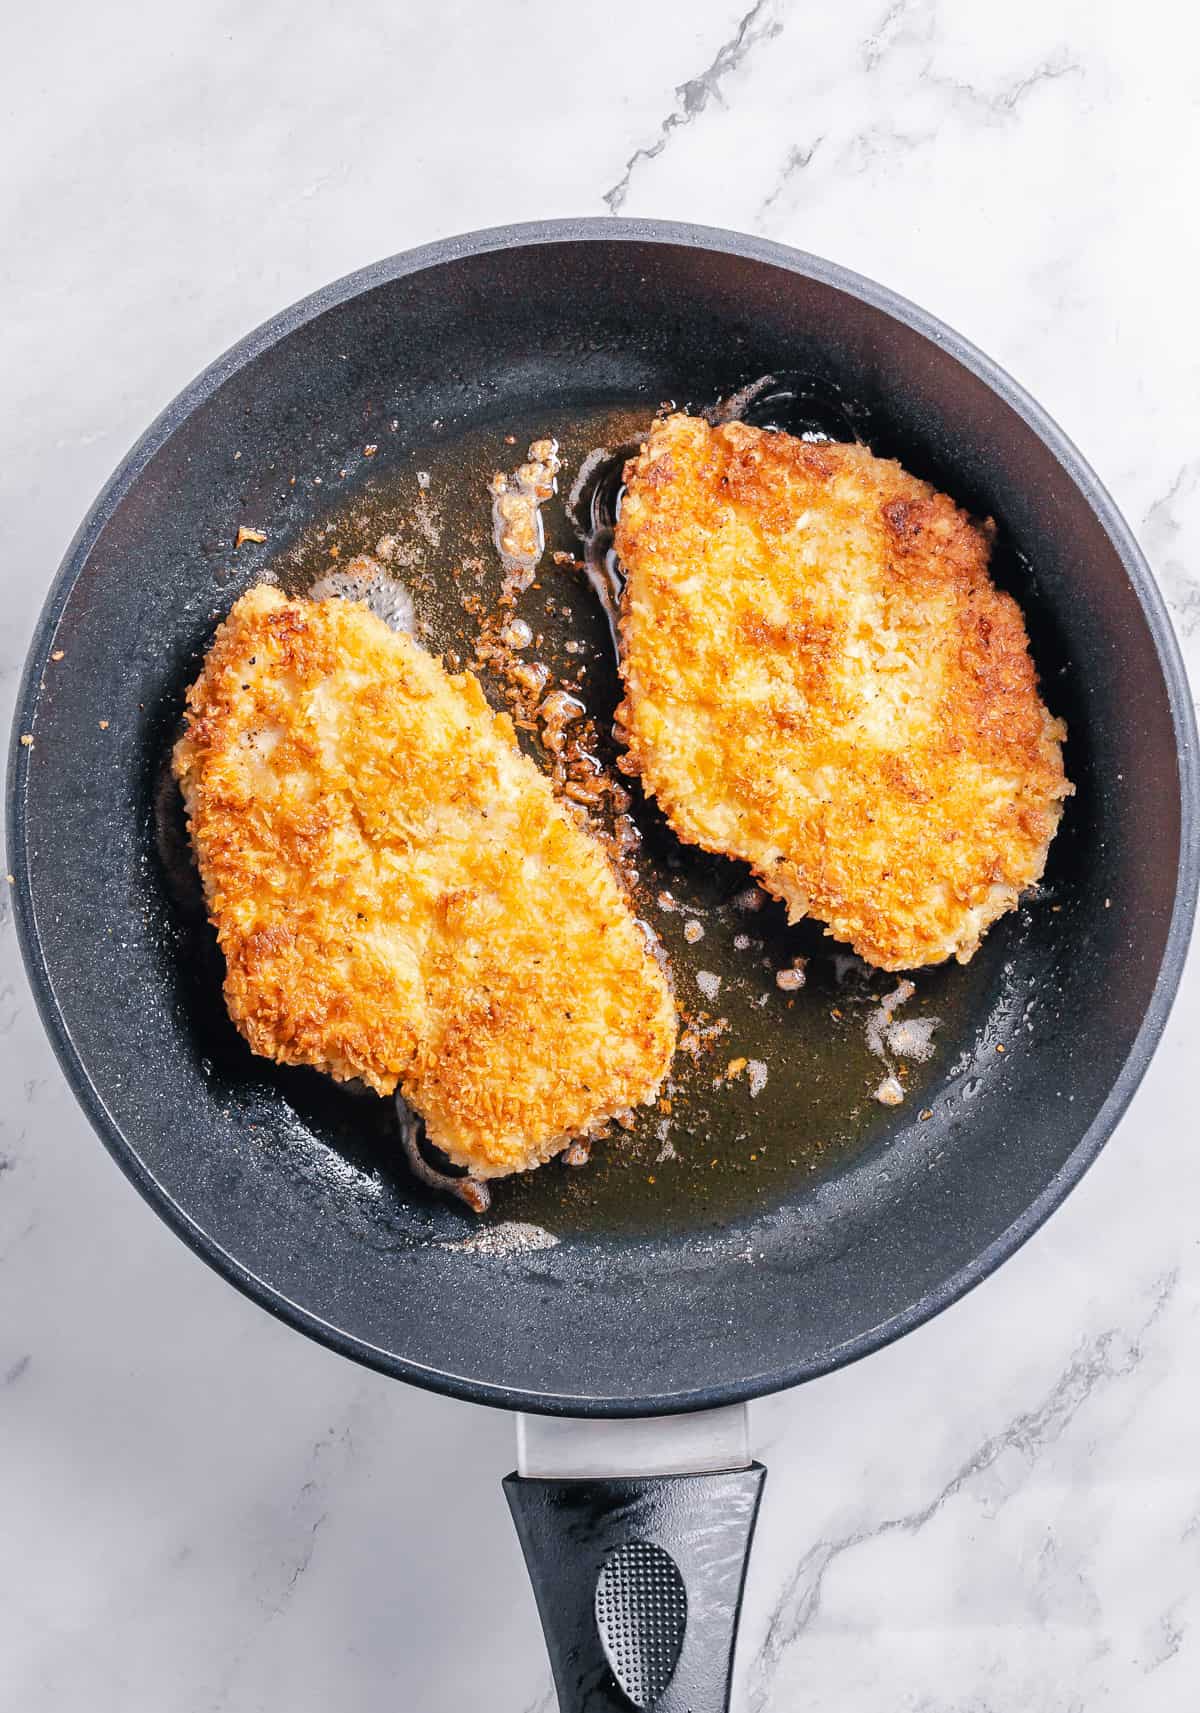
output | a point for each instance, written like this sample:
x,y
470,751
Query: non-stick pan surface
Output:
x,y
783,1231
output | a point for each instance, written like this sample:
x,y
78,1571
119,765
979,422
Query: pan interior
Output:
x,y
742,1238
719,1146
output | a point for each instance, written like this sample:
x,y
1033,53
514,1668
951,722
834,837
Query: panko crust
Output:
x,y
822,681
398,895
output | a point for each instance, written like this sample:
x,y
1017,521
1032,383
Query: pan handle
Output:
x,y
638,1581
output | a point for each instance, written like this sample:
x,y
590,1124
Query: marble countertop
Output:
x,y
205,1513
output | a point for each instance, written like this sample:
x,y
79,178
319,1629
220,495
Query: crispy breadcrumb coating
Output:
x,y
398,895
822,680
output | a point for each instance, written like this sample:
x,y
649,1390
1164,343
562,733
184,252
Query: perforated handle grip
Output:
x,y
639,1585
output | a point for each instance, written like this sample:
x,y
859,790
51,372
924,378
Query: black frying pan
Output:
x,y
793,1230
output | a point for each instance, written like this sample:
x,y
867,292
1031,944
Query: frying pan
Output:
x,y
642,1287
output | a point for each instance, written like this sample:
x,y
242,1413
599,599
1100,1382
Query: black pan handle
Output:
x,y
639,1584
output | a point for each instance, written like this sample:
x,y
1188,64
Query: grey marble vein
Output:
x,y
759,24
921,24
1167,1639
304,1560
310,1510
1003,102
1110,1356
876,45
290,1551
908,97
23,1233
1060,1589
1160,514
1164,532
798,157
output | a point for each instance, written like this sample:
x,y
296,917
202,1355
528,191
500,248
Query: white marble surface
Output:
x,y
202,1511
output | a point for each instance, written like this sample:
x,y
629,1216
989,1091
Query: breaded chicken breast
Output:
x,y
822,680
398,895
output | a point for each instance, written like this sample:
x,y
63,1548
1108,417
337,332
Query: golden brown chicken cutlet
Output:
x,y
822,680
398,895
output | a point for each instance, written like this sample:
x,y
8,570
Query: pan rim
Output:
x,y
719,242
